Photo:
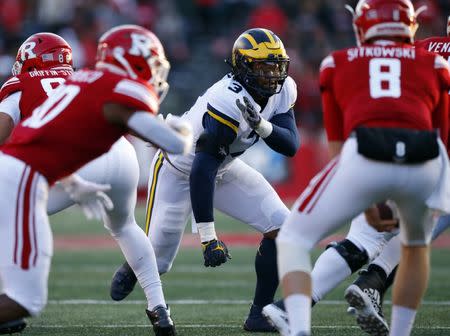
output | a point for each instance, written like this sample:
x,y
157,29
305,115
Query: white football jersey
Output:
x,y
219,101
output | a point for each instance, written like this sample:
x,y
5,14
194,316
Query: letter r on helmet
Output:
x,y
26,52
140,45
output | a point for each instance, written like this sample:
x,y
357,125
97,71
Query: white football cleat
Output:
x,y
366,315
278,318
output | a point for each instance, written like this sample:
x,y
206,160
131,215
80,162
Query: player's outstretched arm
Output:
x,y
280,133
173,137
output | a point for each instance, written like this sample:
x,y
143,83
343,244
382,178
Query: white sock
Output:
x,y
402,320
298,307
139,253
328,272
390,256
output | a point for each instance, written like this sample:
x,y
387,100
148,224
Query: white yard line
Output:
x,y
204,302
234,326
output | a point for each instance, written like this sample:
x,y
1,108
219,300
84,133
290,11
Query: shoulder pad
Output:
x,y
291,88
10,86
222,96
327,62
137,91
440,63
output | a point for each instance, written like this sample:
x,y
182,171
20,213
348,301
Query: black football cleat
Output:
x,y
161,321
365,297
12,327
257,322
122,283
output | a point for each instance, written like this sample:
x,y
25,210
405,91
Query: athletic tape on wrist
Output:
x,y
264,129
206,231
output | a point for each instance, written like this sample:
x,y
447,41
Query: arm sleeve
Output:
x,y
284,138
156,131
211,150
10,106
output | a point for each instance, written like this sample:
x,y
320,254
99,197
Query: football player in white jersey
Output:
x,y
254,101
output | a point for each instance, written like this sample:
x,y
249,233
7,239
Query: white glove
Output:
x,y
183,128
89,196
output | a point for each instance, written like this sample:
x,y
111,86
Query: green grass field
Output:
x,y
203,301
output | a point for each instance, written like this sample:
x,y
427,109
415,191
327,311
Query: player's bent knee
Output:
x,y
353,256
117,229
292,257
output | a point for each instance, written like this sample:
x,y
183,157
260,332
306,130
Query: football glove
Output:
x,y
183,128
251,116
89,196
215,253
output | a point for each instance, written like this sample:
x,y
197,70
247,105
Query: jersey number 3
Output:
x,y
384,74
54,105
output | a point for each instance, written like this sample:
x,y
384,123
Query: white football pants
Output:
x,y
241,192
349,185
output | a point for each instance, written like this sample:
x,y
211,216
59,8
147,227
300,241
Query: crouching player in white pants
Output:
x,y
380,162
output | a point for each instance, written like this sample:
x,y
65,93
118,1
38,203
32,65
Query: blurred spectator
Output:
x,y
199,34
271,16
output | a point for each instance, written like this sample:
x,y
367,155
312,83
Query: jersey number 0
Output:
x,y
54,105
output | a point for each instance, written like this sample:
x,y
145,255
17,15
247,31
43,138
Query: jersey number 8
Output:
x,y
384,76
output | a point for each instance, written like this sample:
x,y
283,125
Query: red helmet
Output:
x,y
42,51
138,52
381,18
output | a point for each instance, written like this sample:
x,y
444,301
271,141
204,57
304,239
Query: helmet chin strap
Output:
x,y
118,55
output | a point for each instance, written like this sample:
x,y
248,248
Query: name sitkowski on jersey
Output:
x,y
380,51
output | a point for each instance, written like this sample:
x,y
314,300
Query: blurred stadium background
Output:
x,y
198,36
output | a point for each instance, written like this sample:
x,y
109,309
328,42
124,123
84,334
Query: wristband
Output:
x,y
264,129
206,231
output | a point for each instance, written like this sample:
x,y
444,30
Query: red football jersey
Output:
x,y
438,45
394,85
35,87
69,129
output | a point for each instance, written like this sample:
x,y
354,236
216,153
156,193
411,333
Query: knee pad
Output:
x,y
353,256
292,257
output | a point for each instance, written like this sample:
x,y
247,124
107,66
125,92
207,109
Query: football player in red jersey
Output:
x,y
374,123
43,62
363,243
380,273
88,114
